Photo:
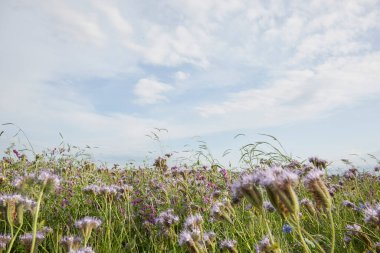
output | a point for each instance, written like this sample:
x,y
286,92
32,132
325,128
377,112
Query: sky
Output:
x,y
107,73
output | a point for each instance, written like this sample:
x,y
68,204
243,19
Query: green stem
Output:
x,y
10,245
296,220
310,237
332,230
35,219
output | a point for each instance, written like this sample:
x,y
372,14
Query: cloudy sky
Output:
x,y
106,73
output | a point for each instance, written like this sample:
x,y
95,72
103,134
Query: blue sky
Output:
x,y
105,73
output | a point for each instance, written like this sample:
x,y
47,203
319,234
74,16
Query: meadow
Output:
x,y
58,201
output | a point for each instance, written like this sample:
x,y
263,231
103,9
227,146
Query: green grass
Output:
x,y
128,217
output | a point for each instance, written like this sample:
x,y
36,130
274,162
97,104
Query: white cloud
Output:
x,y
150,91
283,62
305,94
81,25
180,75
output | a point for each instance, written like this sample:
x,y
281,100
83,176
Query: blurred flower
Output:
x,y
267,246
287,229
318,163
166,220
221,210
314,183
4,240
279,184
26,240
71,243
353,230
83,250
229,245
350,174
372,215
309,205
347,239
209,239
268,206
247,186
190,240
86,225
48,179
348,204
193,222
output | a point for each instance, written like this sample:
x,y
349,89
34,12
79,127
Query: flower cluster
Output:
x,y
27,239
14,206
191,236
166,220
4,240
222,210
46,179
372,215
314,183
108,190
318,163
86,225
247,186
83,250
71,243
229,245
279,184
266,245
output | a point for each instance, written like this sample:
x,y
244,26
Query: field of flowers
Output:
x,y
57,202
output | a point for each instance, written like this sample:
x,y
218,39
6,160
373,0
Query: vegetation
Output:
x,y
61,202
